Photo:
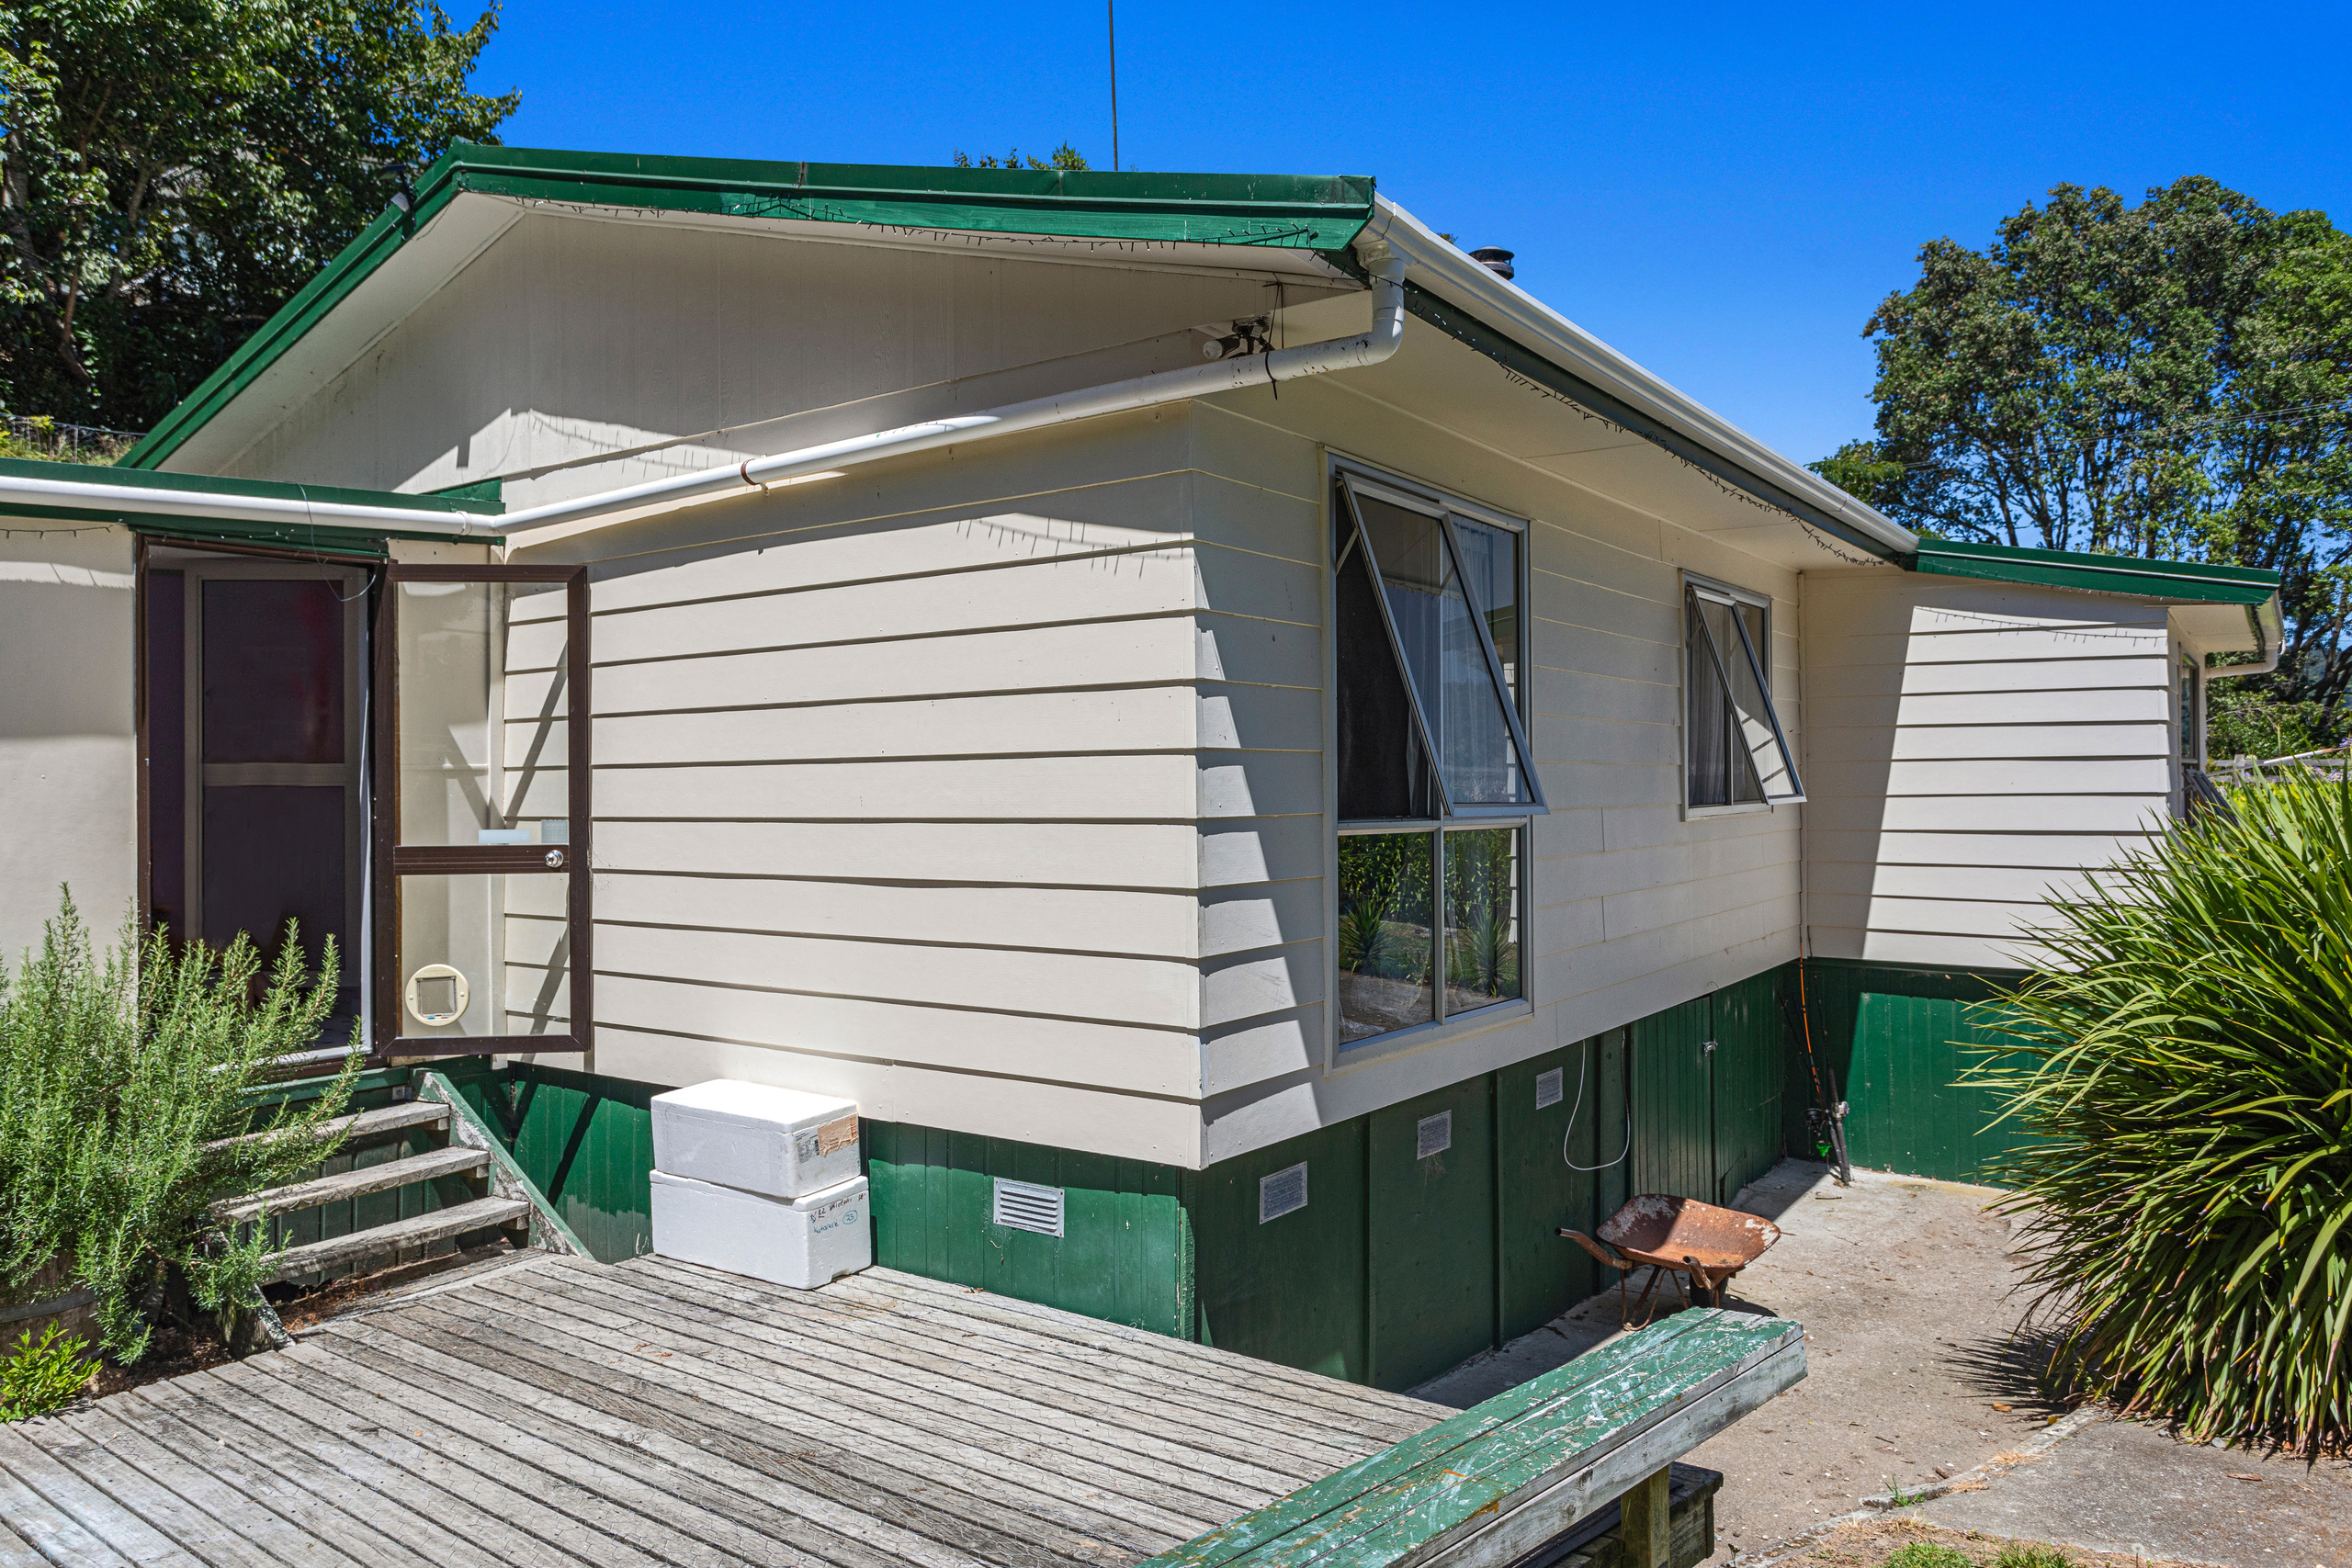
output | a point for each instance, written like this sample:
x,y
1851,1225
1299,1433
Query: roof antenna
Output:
x,y
1111,11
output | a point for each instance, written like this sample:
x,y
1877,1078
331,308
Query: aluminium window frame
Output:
x,y
1685,581
1435,500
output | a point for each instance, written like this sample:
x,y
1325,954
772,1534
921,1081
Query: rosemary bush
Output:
x,y
2187,1061
117,1072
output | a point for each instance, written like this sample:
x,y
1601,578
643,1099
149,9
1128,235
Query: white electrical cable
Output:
x,y
1584,1066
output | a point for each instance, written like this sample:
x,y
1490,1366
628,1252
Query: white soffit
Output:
x,y
447,244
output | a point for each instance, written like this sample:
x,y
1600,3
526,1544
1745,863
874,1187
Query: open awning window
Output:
x,y
1737,752
1428,655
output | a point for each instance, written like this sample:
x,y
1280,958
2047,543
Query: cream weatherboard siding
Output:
x,y
1974,746
1636,908
573,346
906,790
68,773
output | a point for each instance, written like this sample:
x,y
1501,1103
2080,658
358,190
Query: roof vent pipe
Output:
x,y
1495,259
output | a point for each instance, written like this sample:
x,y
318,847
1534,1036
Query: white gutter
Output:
x,y
1356,352
226,507
2268,625
1445,270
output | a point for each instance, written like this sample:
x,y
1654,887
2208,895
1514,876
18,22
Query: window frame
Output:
x,y
1432,501
1685,581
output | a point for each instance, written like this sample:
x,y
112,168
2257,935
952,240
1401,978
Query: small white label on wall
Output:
x,y
1547,1089
1284,1192
1434,1134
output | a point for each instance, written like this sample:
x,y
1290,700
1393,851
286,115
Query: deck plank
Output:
x,y
1252,1379
1223,1425
712,1483
213,1519
983,1379
576,1415
1092,1537
509,1521
113,1521
264,1436
878,1506
1049,1413
50,1532
346,1529
933,1450
537,1469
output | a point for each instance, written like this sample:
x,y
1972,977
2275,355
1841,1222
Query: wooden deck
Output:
x,y
561,1412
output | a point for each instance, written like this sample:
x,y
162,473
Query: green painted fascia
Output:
x,y
1465,328
1318,213
481,489
2171,580
264,490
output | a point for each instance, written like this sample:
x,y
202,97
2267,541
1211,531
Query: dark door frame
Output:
x,y
393,860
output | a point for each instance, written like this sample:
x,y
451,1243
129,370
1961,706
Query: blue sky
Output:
x,y
1723,193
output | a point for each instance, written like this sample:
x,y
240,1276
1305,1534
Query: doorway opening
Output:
x,y
254,713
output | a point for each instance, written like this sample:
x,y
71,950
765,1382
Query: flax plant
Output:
x,y
119,1075
2185,1057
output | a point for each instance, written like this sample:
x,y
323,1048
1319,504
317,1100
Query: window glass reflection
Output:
x,y
1482,924
1383,936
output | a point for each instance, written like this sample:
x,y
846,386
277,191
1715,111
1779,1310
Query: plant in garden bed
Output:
x,y
40,1375
2185,1060
119,1074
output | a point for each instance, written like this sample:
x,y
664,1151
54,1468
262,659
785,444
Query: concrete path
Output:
x,y
2121,1486
1905,1287
1902,1286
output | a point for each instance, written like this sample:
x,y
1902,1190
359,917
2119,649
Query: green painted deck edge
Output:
x,y
1369,1514
2145,579
1329,211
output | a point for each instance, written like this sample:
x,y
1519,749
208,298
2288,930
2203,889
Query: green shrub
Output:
x,y
1927,1554
117,1074
42,1375
2187,1061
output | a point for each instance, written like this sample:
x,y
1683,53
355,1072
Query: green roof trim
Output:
x,y
1322,214
2172,579
269,489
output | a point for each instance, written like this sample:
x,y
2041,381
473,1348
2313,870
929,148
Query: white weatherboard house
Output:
x,y
1186,692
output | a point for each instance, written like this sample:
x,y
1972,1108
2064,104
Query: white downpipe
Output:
x,y
1351,352
1361,349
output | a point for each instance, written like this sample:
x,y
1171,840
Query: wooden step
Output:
x,y
482,1213
368,1123
378,1178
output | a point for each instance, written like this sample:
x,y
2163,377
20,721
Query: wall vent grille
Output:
x,y
1284,1192
1434,1134
1025,1206
1548,1087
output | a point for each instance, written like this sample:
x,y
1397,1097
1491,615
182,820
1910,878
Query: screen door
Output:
x,y
481,829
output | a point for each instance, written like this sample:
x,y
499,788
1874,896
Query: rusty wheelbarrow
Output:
x,y
1681,1237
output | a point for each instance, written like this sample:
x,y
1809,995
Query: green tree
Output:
x,y
2172,380
1062,157
171,171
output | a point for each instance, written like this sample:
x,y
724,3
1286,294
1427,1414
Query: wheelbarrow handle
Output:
x,y
1601,1249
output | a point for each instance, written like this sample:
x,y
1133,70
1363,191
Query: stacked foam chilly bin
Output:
x,y
760,1182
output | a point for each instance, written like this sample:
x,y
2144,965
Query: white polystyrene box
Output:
x,y
779,1141
800,1242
